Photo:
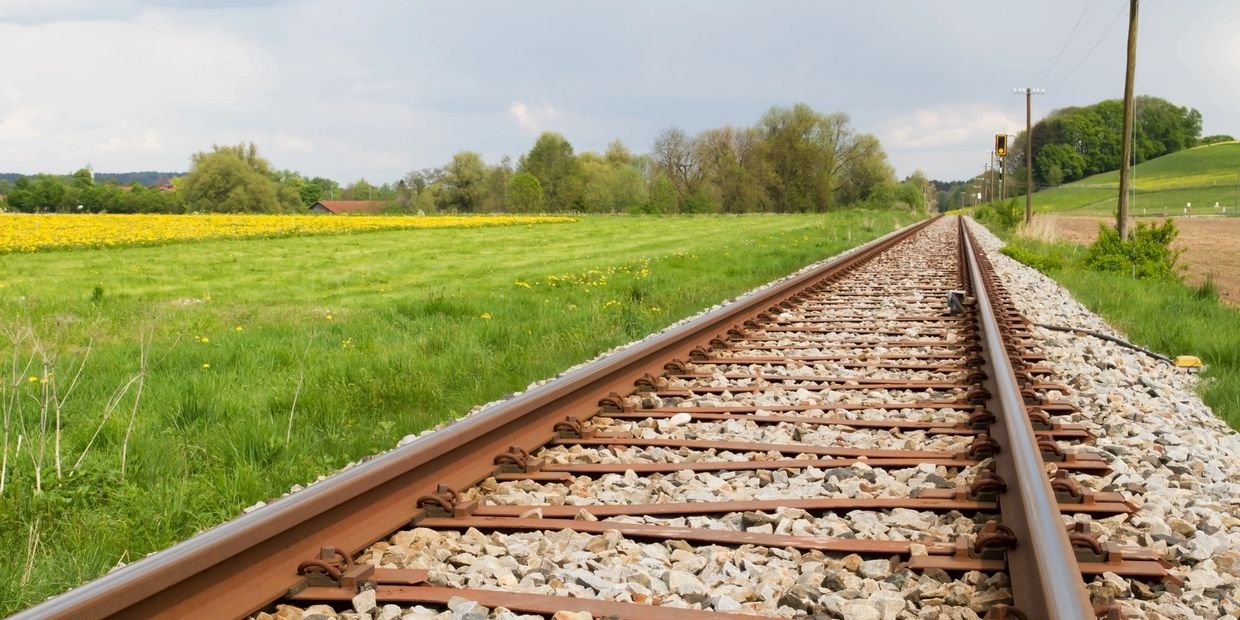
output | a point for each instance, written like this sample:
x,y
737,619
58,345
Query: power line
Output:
x,y
1080,16
1115,19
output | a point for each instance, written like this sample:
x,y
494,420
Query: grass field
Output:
x,y
156,391
1201,176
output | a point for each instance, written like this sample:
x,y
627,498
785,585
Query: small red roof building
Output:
x,y
342,207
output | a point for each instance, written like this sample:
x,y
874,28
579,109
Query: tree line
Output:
x,y
1075,142
794,159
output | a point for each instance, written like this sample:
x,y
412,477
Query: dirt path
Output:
x,y
1211,246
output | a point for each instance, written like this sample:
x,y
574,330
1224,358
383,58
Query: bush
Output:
x,y
1146,254
1042,262
1002,217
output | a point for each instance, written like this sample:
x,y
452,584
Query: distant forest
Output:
x,y
146,177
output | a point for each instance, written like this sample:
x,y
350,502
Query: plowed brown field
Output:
x,y
1211,246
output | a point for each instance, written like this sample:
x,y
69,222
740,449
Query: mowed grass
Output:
x,y
342,344
1166,316
1201,176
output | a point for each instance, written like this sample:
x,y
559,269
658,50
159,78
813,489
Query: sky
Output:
x,y
376,88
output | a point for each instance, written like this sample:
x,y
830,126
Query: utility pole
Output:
x,y
1029,93
991,165
1121,219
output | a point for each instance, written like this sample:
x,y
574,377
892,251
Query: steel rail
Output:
x,y
240,567
1042,567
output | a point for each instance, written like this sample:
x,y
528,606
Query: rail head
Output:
x,y
241,566
1043,562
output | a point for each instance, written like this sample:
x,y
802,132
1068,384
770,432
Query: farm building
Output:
x,y
345,207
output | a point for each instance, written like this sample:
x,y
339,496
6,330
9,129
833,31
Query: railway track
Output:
x,y
876,438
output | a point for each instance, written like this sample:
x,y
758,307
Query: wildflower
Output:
x,y
328,317
204,339
238,328
610,303
33,379
521,283
206,365
486,316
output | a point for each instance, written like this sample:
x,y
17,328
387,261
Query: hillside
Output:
x,y
1201,176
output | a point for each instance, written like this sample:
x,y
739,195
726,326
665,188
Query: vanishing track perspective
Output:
x,y
875,438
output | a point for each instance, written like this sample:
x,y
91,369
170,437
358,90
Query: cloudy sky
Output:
x,y
375,88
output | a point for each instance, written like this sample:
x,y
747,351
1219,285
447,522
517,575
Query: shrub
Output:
x,y
1147,253
1002,217
1042,262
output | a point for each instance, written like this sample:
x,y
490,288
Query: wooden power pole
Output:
x,y
1029,93
1121,217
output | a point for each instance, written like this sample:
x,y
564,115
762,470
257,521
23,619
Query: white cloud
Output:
x,y
20,125
948,126
532,119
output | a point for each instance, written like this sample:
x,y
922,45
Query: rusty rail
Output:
x,y
1042,560
242,566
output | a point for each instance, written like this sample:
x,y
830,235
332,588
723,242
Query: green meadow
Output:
x,y
1201,176
153,392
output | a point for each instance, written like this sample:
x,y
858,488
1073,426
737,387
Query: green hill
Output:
x,y
1202,176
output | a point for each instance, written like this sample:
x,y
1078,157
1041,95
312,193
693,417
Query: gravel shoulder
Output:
x,y
1169,455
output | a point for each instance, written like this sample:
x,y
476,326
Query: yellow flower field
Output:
x,y
22,232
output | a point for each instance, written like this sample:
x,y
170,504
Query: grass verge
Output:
x,y
1163,315
156,391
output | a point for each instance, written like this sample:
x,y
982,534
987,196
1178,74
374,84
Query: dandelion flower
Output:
x,y
238,328
486,316
206,365
328,317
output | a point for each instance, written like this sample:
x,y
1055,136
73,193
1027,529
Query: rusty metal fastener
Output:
x,y
1065,487
981,418
515,459
983,446
569,427
1050,450
613,403
994,539
1110,612
986,486
444,499
1084,544
331,563
977,395
1001,611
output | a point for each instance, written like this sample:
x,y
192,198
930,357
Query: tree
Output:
x,y
675,158
495,193
1057,162
525,193
808,152
551,160
235,179
866,172
360,189
463,182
